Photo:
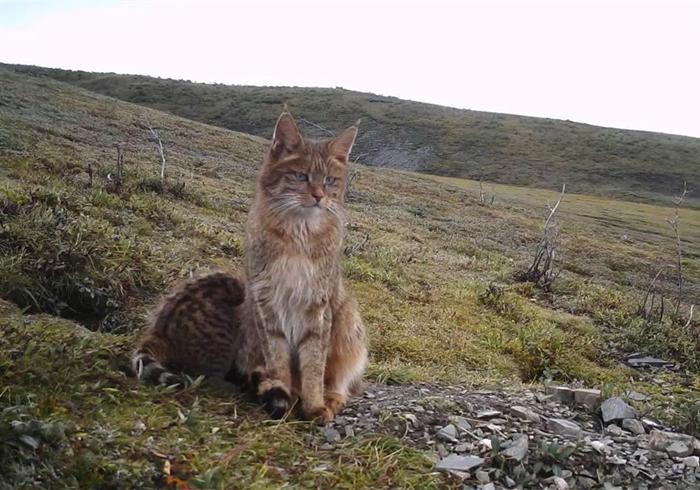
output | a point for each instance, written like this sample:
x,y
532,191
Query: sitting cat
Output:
x,y
303,332
295,332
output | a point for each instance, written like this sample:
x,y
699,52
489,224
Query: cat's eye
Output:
x,y
329,180
301,177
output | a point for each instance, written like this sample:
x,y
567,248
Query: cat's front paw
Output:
x,y
334,402
321,415
276,402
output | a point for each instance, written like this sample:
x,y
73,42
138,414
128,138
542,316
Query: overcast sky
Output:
x,y
623,64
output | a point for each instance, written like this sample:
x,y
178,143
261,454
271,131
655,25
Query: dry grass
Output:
x,y
433,280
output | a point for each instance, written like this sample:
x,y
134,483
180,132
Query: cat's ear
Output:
x,y
341,145
286,135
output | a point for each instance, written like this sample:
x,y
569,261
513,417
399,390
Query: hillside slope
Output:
x,y
402,134
432,270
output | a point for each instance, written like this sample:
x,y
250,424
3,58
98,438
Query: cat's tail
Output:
x,y
146,366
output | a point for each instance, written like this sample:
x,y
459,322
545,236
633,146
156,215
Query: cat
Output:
x,y
195,330
303,334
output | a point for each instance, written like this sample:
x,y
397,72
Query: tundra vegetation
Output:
x,y
90,235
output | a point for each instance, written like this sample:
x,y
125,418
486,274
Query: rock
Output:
x,y
463,448
448,433
599,447
349,431
634,426
509,482
560,393
487,486
525,414
483,476
660,440
696,445
615,408
638,361
651,424
517,450
636,396
461,423
564,427
587,398
614,430
679,449
691,461
557,482
454,462
488,414
331,434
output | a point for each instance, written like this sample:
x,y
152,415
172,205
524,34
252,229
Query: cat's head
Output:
x,y
302,177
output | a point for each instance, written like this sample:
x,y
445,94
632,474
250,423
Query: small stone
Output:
x,y
448,433
560,393
691,461
369,395
485,444
349,431
651,424
525,414
461,423
454,462
634,426
660,440
462,448
599,447
587,398
614,430
679,449
557,482
564,427
487,486
331,434
483,476
488,414
517,450
412,419
696,445
615,408
636,396
509,482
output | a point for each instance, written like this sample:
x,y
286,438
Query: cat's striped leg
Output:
x,y
145,363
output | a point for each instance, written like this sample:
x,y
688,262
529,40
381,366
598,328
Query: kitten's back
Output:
x,y
195,330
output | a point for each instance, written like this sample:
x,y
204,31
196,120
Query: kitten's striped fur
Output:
x,y
196,330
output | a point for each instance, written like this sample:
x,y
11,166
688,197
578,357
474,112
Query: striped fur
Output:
x,y
195,331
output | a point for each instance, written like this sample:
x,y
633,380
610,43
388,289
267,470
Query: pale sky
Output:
x,y
626,64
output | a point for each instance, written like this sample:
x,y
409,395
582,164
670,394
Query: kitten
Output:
x,y
195,330
303,332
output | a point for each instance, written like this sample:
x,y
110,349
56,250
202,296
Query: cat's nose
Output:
x,y
317,194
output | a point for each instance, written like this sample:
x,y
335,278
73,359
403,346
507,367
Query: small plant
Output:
x,y
541,271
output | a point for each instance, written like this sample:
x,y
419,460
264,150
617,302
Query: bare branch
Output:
x,y
155,134
327,131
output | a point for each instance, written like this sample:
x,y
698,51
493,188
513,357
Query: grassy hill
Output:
x,y
401,134
84,259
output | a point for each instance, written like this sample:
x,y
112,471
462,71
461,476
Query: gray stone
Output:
x,y
564,427
459,463
488,486
615,408
647,361
634,426
560,393
614,430
678,449
517,450
557,482
462,448
651,424
483,476
696,444
331,434
448,433
524,413
488,414
509,482
587,398
461,423
636,396
691,461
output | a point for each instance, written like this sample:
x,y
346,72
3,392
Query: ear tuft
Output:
x,y
286,135
341,145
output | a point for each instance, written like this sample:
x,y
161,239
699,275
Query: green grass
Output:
x,y
431,267
527,151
